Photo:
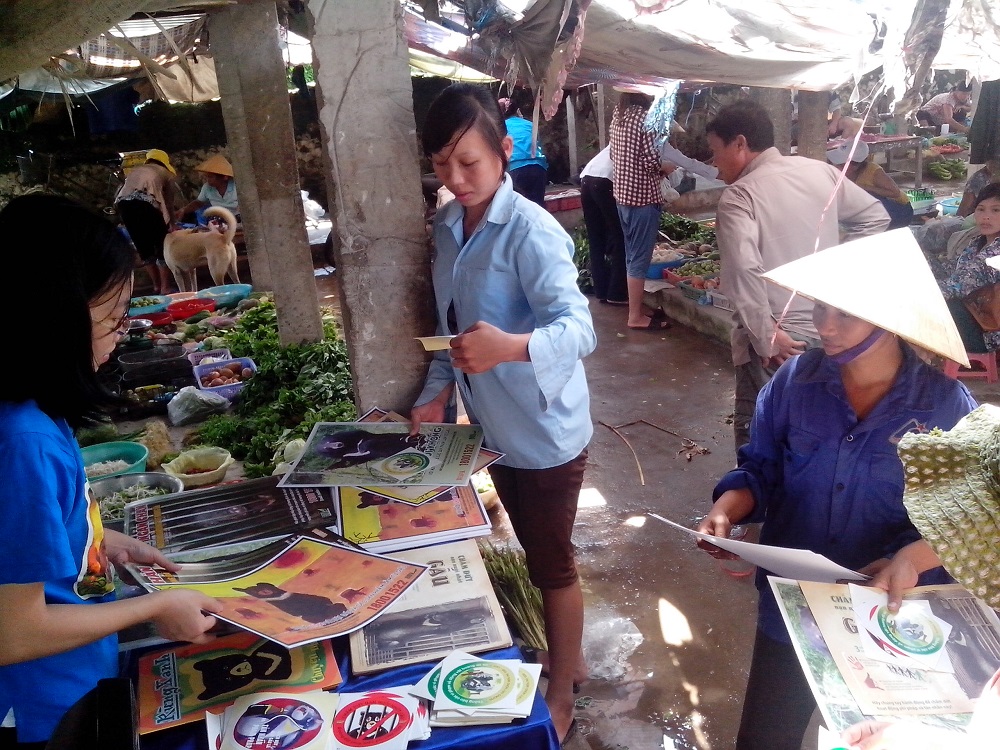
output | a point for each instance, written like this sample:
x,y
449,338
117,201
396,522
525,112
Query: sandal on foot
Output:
x,y
654,324
570,733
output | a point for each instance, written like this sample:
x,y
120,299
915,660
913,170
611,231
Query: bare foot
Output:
x,y
580,674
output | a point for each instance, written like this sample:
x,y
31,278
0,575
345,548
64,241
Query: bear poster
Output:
x,y
177,685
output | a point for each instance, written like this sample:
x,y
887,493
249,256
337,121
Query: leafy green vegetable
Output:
x,y
581,256
681,229
295,387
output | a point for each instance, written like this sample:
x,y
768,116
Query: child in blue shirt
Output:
x,y
59,614
505,286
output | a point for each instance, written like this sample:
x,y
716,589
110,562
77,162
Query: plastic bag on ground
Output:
x,y
608,642
192,405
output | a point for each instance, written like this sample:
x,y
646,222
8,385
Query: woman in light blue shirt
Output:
x,y
505,287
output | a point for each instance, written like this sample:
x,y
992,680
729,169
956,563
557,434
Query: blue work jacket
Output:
x,y
825,481
516,272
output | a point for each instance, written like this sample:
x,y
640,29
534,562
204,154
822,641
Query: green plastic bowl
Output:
x,y
134,454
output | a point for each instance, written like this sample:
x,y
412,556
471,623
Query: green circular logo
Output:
x,y
478,683
406,463
912,632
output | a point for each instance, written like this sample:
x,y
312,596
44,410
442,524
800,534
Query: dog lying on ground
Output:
x,y
187,249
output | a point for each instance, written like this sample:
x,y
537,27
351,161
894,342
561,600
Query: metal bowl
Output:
x,y
107,485
137,327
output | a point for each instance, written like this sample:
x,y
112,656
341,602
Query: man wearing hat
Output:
x,y
218,188
873,179
145,205
821,469
776,209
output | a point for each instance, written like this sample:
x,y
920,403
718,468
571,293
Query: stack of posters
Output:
x,y
928,663
229,515
464,690
294,591
177,685
376,454
451,607
381,524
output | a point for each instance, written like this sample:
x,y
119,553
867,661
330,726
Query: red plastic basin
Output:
x,y
187,308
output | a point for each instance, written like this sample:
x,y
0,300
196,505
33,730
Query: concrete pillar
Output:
x,y
814,122
261,144
602,117
778,103
574,156
362,69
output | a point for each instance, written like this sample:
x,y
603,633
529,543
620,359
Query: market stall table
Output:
x,y
534,733
886,144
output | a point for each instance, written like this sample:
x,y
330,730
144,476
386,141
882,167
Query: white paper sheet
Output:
x,y
799,564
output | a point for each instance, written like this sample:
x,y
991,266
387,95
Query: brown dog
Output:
x,y
187,249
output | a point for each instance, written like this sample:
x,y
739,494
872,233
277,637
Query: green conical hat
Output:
x,y
952,494
883,279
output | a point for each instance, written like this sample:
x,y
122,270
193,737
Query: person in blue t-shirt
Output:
x,y
821,469
58,614
529,170
505,286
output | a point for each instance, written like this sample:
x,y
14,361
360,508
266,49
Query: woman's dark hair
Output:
x,y
458,109
157,161
76,257
746,118
520,99
963,86
990,191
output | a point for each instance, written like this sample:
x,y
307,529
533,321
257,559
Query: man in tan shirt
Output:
x,y
775,210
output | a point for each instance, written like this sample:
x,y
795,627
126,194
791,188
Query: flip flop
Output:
x,y
531,656
655,324
615,302
570,733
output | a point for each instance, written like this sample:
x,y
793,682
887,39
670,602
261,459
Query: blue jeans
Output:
x,y
640,224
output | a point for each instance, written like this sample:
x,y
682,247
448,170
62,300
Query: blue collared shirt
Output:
x,y
824,481
516,272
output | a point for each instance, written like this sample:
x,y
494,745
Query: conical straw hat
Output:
x,y
883,279
952,495
217,164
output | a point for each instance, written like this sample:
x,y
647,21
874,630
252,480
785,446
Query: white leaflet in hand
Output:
x,y
784,562
827,740
435,343
914,636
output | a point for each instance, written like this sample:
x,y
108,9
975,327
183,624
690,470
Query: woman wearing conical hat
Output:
x,y
218,188
821,470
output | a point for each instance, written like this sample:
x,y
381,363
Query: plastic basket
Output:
x,y
691,292
226,391
673,278
195,358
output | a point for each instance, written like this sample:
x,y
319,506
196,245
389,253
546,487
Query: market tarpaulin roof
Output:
x,y
807,44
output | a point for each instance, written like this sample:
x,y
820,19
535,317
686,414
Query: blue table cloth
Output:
x,y
534,733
